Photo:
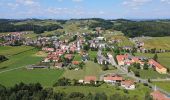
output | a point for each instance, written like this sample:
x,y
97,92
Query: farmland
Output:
x,y
44,76
13,71
157,42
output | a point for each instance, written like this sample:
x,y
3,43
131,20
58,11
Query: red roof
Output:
x,y
90,78
128,83
156,64
157,95
113,78
75,62
121,57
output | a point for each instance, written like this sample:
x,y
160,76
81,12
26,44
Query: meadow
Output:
x,y
164,85
158,43
13,71
109,90
90,69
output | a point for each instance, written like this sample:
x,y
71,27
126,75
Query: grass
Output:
x,y
125,41
9,51
90,69
77,57
92,54
107,89
157,42
150,73
164,85
44,76
23,58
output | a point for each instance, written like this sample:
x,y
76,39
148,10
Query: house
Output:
x,y
112,79
58,65
158,67
157,95
89,79
121,58
68,56
128,84
75,62
48,49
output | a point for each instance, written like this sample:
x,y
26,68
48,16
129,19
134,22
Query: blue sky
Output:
x,y
66,9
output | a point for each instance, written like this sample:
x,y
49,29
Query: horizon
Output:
x,y
82,9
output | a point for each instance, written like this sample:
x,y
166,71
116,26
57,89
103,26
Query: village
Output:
x,y
60,54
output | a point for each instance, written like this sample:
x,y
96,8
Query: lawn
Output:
x,y
125,41
44,76
163,85
150,73
9,50
77,57
89,69
21,59
157,42
107,89
92,54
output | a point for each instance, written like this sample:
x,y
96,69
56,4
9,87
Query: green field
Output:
x,y
163,85
19,59
44,76
107,89
157,42
90,68
9,51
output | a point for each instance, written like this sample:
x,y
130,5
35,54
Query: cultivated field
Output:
x,y
164,85
158,43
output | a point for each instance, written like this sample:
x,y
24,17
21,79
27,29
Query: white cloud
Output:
x,y
135,4
28,2
71,0
166,1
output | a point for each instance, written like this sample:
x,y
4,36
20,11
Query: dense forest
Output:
x,y
37,92
9,26
128,27
144,28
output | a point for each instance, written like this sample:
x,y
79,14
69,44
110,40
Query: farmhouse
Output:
x,y
113,79
128,84
158,67
157,95
89,79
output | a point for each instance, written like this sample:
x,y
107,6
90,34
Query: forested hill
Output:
x,y
145,28
128,27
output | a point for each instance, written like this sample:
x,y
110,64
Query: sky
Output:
x,y
67,9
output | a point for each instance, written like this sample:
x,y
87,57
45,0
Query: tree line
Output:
x,y
8,27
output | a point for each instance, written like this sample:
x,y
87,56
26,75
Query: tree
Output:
x,y
95,60
77,95
155,57
63,82
100,96
145,66
137,73
105,67
148,96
